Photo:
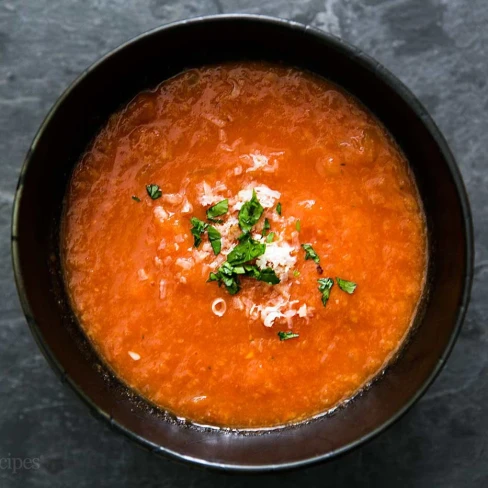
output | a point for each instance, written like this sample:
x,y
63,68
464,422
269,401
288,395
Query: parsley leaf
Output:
x,y
136,198
266,227
270,237
310,253
197,230
214,237
226,276
347,286
284,336
247,250
296,273
298,226
154,191
268,275
278,208
250,213
325,285
217,210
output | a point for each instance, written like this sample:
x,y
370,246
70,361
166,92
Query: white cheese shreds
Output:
x,y
185,263
172,198
222,136
160,213
238,170
307,203
219,307
134,355
266,196
302,311
179,239
211,195
187,207
270,315
199,256
158,262
260,162
162,289
162,244
167,260
176,246
278,255
142,275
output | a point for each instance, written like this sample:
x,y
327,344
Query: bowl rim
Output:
x,y
386,77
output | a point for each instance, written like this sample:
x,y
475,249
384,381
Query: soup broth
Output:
x,y
244,245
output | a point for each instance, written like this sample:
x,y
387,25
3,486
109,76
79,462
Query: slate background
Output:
x,y
439,48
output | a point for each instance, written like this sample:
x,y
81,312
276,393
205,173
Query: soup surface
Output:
x,y
206,229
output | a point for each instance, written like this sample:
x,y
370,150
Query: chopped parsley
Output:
x,y
266,227
250,213
247,250
325,285
284,336
240,260
296,273
278,208
270,237
347,286
136,198
268,275
214,237
217,210
226,276
198,228
154,191
298,226
310,253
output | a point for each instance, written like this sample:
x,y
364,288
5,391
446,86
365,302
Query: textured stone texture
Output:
x,y
439,48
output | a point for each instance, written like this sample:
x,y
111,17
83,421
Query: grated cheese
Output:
x,y
187,207
278,255
185,263
209,196
160,213
307,203
134,355
172,198
162,289
142,275
266,196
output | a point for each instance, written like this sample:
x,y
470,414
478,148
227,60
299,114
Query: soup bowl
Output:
x,y
142,64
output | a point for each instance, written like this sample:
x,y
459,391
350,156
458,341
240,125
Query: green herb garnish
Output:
x,y
284,336
198,228
135,198
266,227
268,275
217,210
247,250
325,285
298,226
278,208
250,213
270,237
296,273
214,237
347,286
310,253
154,191
226,276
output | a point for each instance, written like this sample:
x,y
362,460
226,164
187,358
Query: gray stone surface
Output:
x,y
439,48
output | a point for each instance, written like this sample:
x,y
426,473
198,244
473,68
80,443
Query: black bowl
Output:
x,y
145,62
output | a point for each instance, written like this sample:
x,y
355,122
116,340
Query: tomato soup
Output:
x,y
244,245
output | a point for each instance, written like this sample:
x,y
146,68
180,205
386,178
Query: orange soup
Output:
x,y
244,245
